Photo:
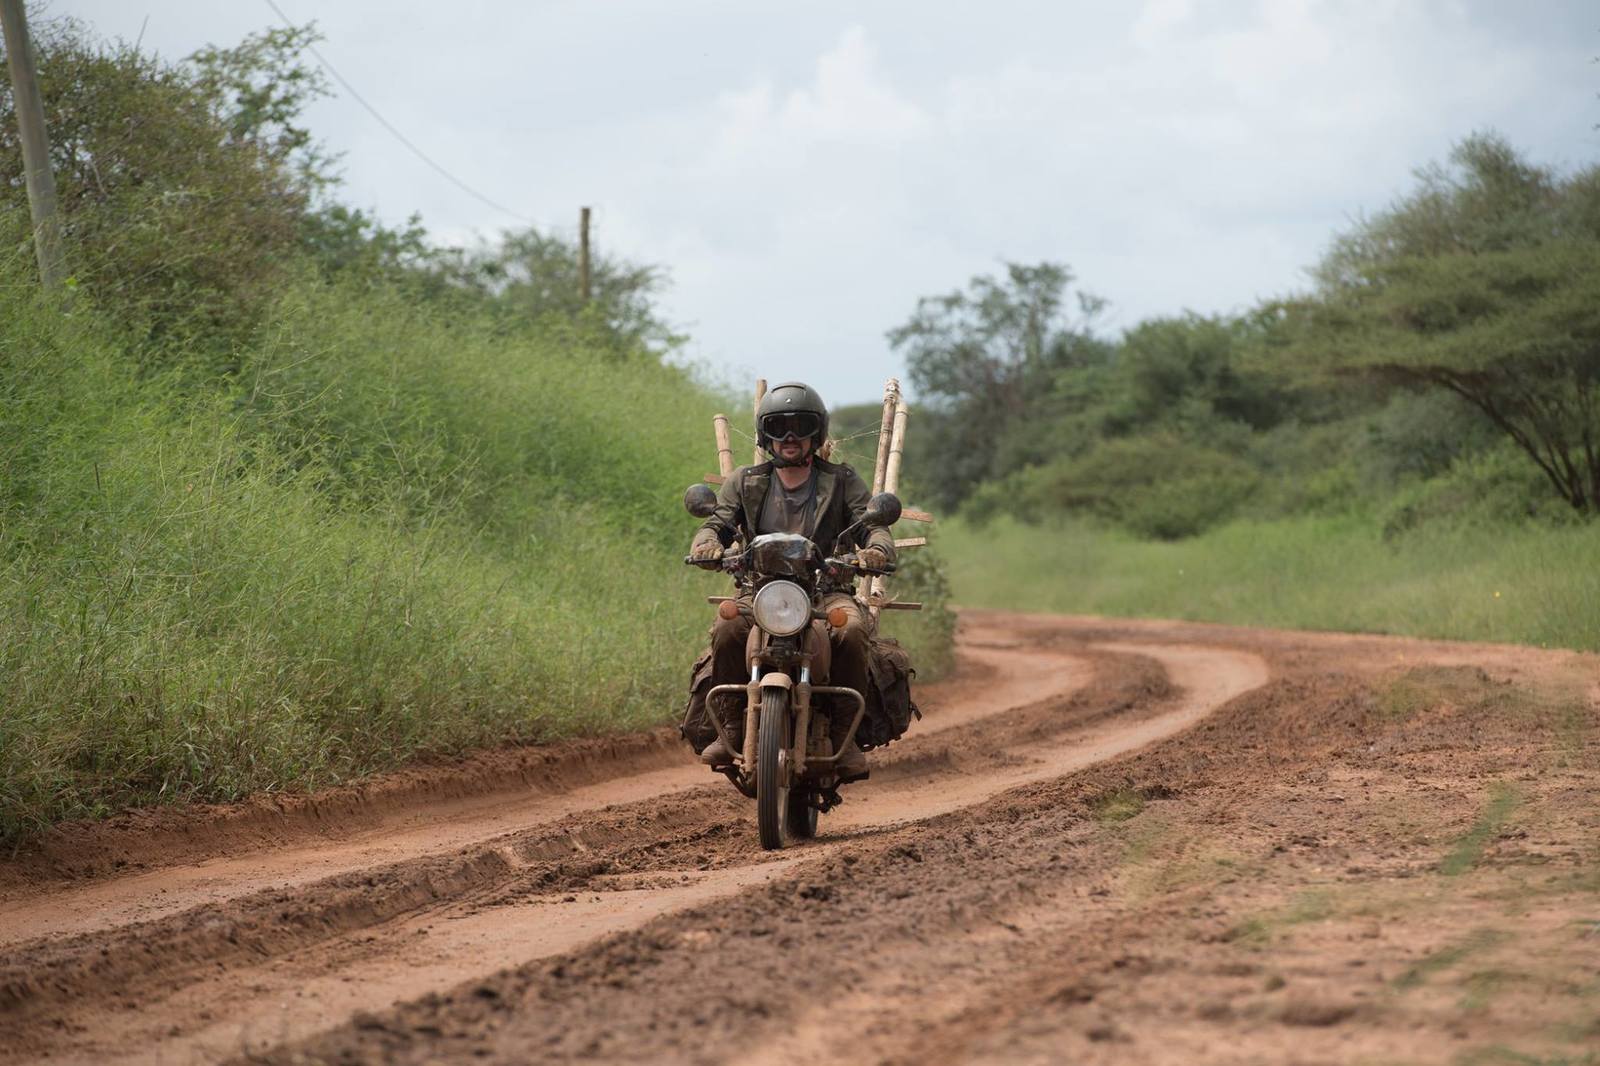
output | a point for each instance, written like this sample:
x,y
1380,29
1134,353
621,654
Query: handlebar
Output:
x,y
733,564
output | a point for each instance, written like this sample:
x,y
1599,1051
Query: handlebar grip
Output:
x,y
704,564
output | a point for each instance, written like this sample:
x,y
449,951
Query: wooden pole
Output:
x,y
755,411
891,481
719,425
891,397
891,473
584,288
29,106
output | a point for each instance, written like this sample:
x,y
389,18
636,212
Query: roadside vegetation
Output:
x,y
287,496
1410,446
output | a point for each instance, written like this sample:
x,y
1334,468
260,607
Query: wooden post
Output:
x,y
755,411
29,107
583,255
719,425
891,397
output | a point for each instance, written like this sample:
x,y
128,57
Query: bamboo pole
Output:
x,y
891,473
755,411
878,591
719,425
891,397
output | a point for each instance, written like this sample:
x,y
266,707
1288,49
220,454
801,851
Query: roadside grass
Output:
x,y
390,534
361,553
1517,583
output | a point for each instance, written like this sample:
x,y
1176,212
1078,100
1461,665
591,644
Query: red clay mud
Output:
x,y
1109,841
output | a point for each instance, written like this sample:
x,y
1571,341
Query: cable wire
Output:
x,y
390,126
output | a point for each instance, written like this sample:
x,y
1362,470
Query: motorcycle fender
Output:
x,y
777,679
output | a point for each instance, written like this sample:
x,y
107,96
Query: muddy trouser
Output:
x,y
850,646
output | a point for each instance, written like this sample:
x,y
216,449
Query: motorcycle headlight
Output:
x,y
781,608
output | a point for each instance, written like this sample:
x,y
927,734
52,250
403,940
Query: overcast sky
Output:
x,y
806,170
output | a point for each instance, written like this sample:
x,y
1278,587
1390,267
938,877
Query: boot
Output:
x,y
717,754
852,764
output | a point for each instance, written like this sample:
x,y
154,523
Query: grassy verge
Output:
x,y
1527,583
389,532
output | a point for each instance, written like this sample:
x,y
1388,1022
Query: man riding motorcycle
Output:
x,y
797,491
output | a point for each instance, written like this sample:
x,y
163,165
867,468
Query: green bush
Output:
x,y
1494,487
1157,486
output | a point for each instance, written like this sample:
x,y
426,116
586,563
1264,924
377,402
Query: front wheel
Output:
x,y
772,770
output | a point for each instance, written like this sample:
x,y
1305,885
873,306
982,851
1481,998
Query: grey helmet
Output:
x,y
797,401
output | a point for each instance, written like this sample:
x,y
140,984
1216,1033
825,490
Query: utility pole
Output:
x,y
35,144
583,254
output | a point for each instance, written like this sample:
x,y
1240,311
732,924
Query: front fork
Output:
x,y
800,706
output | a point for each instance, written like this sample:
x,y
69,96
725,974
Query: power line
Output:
x,y
390,126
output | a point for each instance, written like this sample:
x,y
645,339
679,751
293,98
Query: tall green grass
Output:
x,y
1529,583
392,533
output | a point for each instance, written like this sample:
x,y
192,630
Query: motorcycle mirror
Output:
x,y
883,510
700,500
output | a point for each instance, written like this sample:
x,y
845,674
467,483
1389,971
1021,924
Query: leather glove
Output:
x,y
705,546
872,558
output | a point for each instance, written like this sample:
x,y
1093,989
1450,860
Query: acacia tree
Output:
x,y
1485,282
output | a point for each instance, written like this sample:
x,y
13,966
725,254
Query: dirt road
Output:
x,y
1106,842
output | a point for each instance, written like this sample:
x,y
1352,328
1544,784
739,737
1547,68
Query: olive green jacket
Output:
x,y
841,500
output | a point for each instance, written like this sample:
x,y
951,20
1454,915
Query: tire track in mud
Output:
x,y
244,968
148,896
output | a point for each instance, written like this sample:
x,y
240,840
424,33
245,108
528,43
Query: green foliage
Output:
x,y
395,535
928,634
1490,488
174,219
258,90
1484,282
977,359
529,275
1478,295
1184,373
1153,486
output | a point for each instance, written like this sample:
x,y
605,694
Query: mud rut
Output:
x,y
1084,802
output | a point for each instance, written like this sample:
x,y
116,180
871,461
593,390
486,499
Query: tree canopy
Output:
x,y
1485,282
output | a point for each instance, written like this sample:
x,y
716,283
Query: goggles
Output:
x,y
796,424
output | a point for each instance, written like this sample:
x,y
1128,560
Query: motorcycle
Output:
x,y
787,762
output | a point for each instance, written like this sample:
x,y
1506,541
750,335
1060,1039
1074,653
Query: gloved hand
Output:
x,y
872,558
705,547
